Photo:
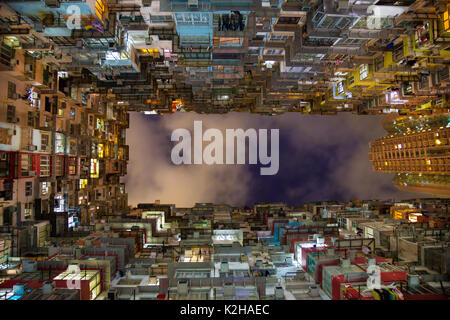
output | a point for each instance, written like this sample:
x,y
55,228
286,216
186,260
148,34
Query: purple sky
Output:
x,y
321,158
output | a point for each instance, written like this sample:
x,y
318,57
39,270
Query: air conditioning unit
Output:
x,y
29,265
31,147
313,291
39,27
47,287
224,267
19,289
193,4
112,294
279,293
15,120
32,173
73,268
342,5
52,3
228,289
182,287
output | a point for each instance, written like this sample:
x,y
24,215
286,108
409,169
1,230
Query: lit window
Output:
x,y
100,123
28,210
59,204
229,41
277,38
83,183
44,188
100,150
363,72
94,168
60,143
447,20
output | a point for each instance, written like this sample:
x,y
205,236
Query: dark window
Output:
x,y
47,105
288,20
11,89
30,119
11,113
28,188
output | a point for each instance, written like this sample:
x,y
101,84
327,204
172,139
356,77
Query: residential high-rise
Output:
x,y
418,151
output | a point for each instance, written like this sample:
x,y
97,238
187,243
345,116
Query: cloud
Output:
x,y
152,176
321,158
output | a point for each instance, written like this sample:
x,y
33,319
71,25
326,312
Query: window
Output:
x,y
60,143
447,20
160,19
423,84
44,166
47,121
73,146
28,189
83,183
26,165
59,203
94,168
229,41
59,166
351,80
288,20
100,124
11,113
5,161
341,87
100,150
30,121
363,72
45,142
47,104
277,38
28,210
274,51
44,188
72,165
397,54
11,90
5,137
379,63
